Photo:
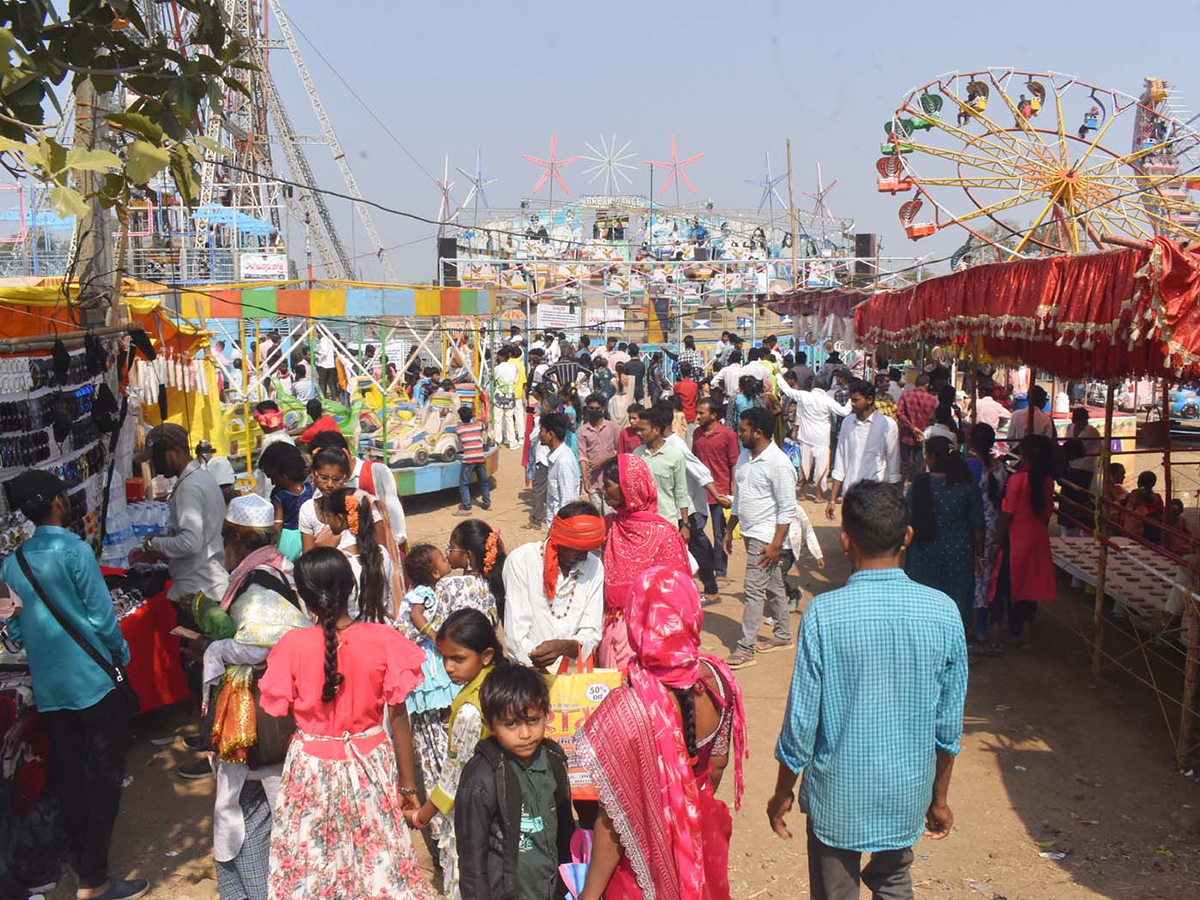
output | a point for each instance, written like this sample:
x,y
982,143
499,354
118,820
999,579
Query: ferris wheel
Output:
x,y
1040,162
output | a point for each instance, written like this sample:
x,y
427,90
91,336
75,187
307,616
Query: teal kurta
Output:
x,y
946,562
64,677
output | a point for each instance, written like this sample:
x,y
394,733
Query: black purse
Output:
x,y
274,732
113,670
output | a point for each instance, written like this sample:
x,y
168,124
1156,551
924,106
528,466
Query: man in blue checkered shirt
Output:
x,y
874,716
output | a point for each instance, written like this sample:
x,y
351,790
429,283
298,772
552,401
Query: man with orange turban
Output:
x,y
554,590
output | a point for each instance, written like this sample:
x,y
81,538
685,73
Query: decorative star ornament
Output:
x,y
675,167
553,167
445,185
478,182
610,163
820,207
770,187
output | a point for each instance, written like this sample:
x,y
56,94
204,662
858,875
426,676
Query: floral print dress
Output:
x,y
339,828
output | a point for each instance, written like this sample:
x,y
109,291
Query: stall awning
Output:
x,y
1106,315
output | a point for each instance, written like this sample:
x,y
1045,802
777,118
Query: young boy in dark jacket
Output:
x,y
512,813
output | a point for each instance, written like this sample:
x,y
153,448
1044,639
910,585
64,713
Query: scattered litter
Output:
x,y
1002,708
172,853
999,896
1020,768
943,886
982,888
1055,856
163,741
1044,844
1162,851
126,781
923,856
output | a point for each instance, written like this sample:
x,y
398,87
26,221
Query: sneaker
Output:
x,y
462,512
710,599
767,645
194,771
125,890
740,659
485,506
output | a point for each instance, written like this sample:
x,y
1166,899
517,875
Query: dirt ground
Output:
x,y
1051,763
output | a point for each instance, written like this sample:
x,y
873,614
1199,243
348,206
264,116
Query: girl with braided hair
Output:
x,y
348,515
345,787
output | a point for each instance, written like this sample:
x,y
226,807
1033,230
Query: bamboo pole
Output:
x,y
69,338
1166,418
383,408
1102,562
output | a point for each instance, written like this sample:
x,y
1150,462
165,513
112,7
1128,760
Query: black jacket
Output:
x,y
487,821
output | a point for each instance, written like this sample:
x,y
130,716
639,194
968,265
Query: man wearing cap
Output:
x,y
220,468
86,716
193,550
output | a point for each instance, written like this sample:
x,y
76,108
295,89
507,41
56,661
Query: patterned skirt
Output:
x,y
339,831
245,876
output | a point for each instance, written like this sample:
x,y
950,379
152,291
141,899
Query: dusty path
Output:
x,y
1050,763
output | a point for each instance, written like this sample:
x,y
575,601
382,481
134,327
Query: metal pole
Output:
x,y
245,336
383,409
792,212
1101,514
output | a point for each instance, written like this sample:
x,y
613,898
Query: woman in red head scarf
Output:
x,y
656,749
638,538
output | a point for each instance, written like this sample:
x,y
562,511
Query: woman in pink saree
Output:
x,y
638,538
656,748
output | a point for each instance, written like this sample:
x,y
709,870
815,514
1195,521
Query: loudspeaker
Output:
x,y
447,250
865,247
700,253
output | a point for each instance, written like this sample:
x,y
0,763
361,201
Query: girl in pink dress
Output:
x,y
339,828
638,538
656,748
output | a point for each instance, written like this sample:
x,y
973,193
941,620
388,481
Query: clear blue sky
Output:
x,y
730,79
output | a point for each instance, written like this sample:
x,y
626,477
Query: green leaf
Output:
x,y
92,160
68,202
15,146
144,161
208,143
184,175
138,124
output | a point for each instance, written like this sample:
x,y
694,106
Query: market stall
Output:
x,y
1130,311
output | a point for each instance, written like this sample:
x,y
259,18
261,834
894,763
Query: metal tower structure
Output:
x,y
240,185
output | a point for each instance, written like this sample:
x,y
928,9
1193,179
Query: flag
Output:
x,y
702,323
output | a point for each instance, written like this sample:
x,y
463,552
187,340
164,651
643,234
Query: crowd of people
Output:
x,y
354,684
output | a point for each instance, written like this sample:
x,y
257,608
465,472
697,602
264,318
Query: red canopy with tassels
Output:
x,y
1106,315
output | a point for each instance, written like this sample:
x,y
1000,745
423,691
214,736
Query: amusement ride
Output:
x,y
986,149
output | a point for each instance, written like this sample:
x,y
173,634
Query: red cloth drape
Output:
x,y
154,668
1104,315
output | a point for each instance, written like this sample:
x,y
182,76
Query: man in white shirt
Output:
x,y
724,348
507,427
1030,420
757,367
729,375
895,388
194,550
562,474
814,423
991,411
764,505
868,446
605,350
540,631
327,367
